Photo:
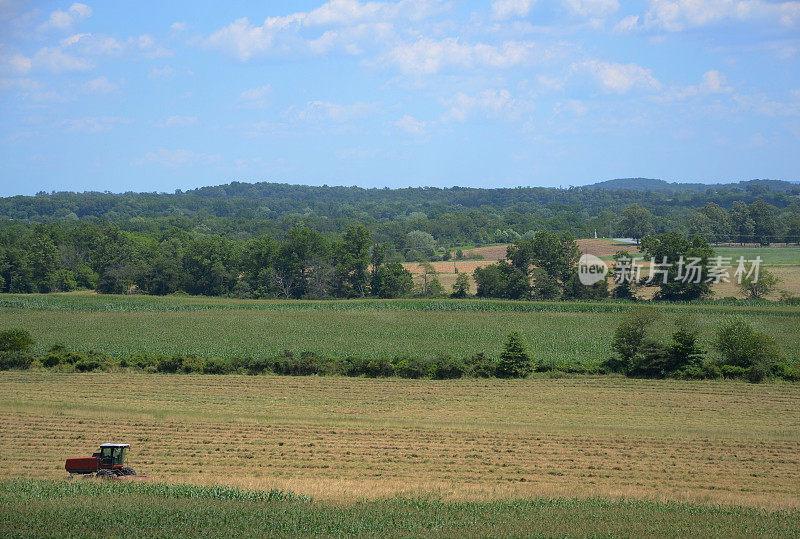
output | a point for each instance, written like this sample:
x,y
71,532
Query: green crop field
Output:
x,y
38,508
212,327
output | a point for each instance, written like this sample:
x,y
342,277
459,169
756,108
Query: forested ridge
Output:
x,y
278,240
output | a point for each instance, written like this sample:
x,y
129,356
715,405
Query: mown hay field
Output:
x,y
342,439
213,327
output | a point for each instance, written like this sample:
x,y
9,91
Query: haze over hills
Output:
x,y
661,186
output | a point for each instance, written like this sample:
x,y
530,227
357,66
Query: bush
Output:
x,y
15,340
15,360
352,366
514,361
684,351
146,362
192,363
87,364
59,355
381,367
217,365
628,338
651,360
446,367
732,371
480,366
305,365
413,367
787,372
257,365
169,364
742,346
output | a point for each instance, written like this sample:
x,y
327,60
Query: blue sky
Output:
x,y
155,96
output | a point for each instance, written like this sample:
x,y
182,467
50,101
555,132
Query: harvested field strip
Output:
x,y
342,439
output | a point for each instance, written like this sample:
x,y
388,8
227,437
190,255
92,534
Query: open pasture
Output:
x,y
341,439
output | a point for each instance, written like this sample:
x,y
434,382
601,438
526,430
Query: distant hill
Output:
x,y
661,186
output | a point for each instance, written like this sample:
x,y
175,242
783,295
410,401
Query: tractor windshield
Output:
x,y
113,456
119,456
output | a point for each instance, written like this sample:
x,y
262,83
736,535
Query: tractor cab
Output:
x,y
113,455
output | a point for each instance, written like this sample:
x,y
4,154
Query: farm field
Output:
x,y
783,262
37,508
215,327
340,440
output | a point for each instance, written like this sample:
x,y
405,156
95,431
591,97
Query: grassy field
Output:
x,y
38,508
343,439
214,327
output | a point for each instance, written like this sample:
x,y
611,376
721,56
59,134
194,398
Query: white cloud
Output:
x,y
178,27
411,125
179,121
335,112
16,64
93,124
426,56
592,8
509,9
714,83
491,103
63,20
620,78
366,20
677,15
177,158
255,96
161,73
56,60
100,85
628,24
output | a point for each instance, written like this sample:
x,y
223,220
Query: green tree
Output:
x,y
742,346
514,361
684,351
352,262
630,337
765,225
758,287
393,281
719,221
422,242
742,224
461,286
44,260
676,282
635,222
15,340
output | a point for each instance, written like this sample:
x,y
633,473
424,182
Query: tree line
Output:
x,y
454,216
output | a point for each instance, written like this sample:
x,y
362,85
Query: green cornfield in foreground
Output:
x,y
35,508
212,327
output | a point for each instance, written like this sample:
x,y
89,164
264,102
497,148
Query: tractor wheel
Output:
x,y
128,471
105,474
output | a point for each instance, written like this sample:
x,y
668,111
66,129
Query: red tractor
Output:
x,y
108,463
